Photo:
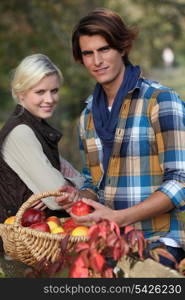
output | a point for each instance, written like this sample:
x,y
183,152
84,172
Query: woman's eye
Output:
x,y
54,91
40,92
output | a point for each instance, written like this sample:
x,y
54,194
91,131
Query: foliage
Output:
x,y
97,256
160,24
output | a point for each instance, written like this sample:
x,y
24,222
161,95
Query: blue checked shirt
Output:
x,y
151,130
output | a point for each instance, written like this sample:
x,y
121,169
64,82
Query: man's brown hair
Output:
x,y
108,24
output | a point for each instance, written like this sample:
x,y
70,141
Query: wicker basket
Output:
x,y
31,246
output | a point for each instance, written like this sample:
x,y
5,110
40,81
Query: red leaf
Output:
x,y
97,261
93,231
81,246
120,248
116,253
132,238
141,246
128,228
125,246
107,273
114,226
82,259
111,240
163,252
78,272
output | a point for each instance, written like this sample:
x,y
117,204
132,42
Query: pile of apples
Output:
x,y
37,219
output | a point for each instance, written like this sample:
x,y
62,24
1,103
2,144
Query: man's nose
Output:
x,y
98,59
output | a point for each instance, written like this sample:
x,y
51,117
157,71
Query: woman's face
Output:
x,y
42,99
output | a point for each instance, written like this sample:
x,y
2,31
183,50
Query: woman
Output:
x,y
29,157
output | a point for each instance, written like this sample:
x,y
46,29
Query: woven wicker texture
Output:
x,y
31,246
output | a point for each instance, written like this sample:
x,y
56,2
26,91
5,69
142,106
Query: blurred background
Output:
x,y
45,26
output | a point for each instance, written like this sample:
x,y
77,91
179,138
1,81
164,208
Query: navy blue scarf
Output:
x,y
105,121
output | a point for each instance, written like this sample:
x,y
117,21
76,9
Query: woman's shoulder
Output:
x,y
21,130
22,137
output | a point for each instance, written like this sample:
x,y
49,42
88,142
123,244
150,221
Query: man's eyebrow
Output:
x,y
86,51
103,47
99,49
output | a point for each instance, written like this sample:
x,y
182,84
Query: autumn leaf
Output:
x,y
97,261
81,246
78,272
108,273
128,228
159,251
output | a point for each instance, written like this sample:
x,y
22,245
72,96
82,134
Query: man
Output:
x,y
132,136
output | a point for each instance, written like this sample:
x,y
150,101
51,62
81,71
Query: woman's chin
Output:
x,y
46,115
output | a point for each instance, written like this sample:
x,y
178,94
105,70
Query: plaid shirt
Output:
x,y
151,130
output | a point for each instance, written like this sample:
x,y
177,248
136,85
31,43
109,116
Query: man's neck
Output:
x,y
112,88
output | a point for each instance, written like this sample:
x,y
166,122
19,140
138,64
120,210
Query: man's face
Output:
x,y
104,63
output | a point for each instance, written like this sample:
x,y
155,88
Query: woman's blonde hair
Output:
x,y
30,71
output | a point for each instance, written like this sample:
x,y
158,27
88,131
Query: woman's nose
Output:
x,y
49,97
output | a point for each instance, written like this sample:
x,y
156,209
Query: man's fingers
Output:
x,y
84,220
92,203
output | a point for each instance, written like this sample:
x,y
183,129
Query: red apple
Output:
x,y
69,225
42,226
80,208
32,216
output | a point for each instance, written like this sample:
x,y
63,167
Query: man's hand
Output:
x,y
89,194
100,212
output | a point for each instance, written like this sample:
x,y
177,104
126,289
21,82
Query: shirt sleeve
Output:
x,y
24,154
88,182
168,118
70,173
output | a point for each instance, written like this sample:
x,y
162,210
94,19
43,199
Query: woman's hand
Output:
x,y
100,212
70,195
39,205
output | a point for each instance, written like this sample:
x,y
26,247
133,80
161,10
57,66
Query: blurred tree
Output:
x,y
161,24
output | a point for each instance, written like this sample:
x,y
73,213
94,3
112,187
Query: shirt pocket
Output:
x,y
138,142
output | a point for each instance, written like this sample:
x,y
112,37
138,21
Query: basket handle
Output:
x,y
32,200
1,228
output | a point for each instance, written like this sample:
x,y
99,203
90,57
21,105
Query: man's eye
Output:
x,y
105,49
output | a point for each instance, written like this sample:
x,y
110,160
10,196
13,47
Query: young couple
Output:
x,y
131,132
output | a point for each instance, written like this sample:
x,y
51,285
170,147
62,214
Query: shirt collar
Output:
x,y
138,84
